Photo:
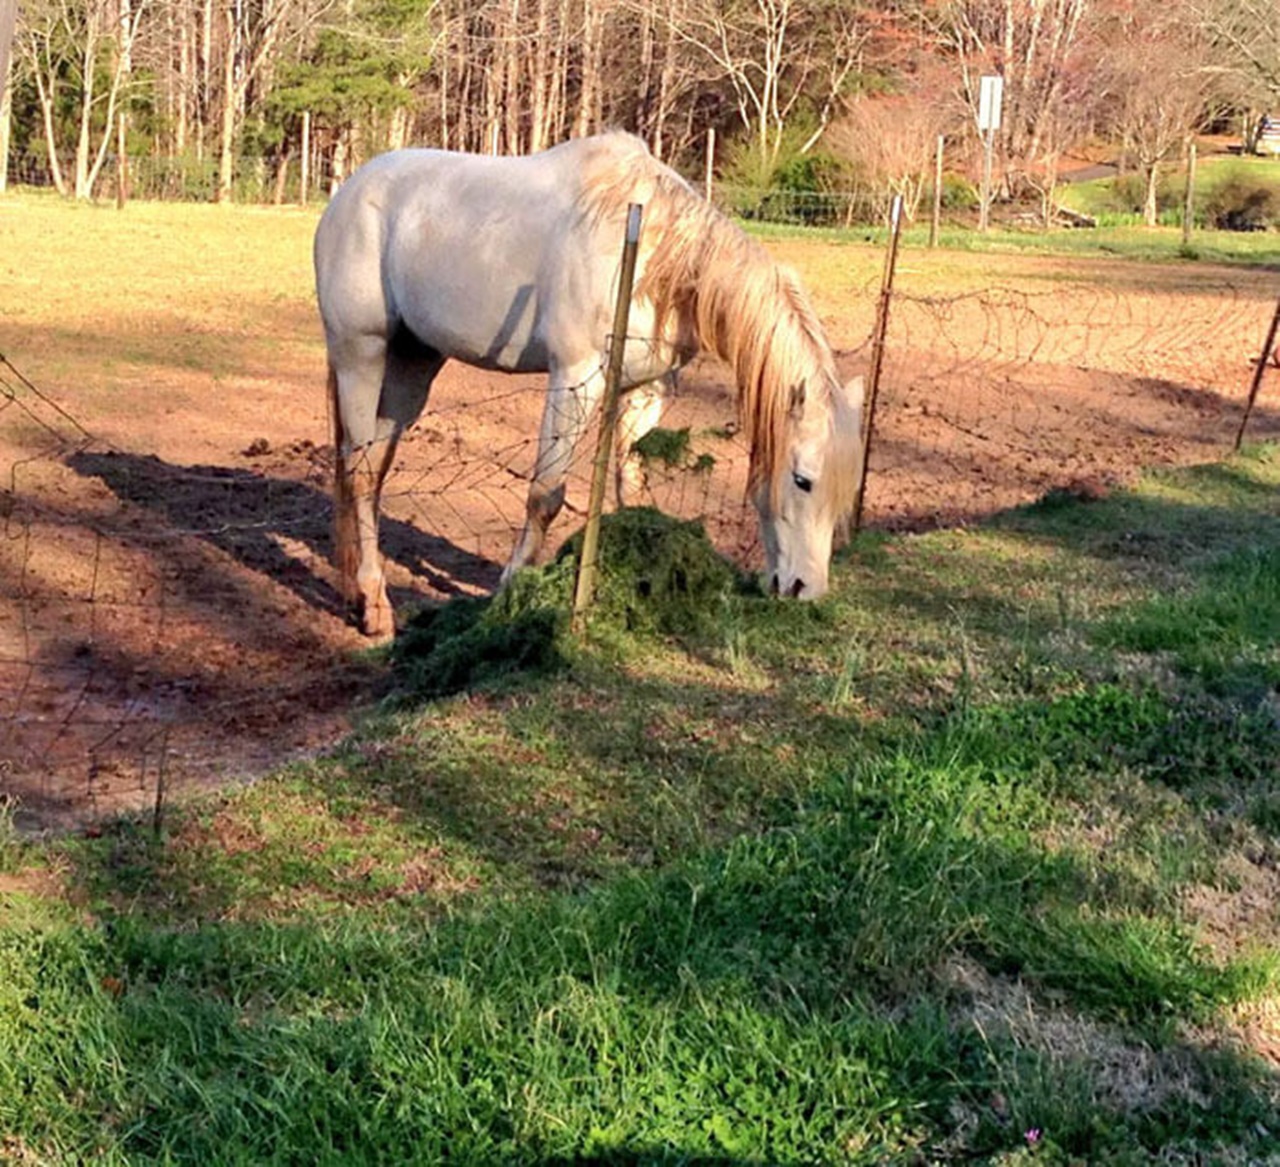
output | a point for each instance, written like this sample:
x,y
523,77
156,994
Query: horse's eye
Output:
x,y
802,483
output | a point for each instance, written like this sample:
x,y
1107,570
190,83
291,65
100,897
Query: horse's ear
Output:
x,y
852,392
797,399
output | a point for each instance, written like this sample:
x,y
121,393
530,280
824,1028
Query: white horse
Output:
x,y
512,264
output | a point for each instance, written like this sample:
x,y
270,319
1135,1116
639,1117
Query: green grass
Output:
x,y
1120,232
1123,240
1112,199
981,845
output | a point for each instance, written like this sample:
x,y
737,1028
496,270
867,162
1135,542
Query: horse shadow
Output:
x,y
271,525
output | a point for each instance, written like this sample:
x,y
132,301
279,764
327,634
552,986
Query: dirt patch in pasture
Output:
x,y
169,613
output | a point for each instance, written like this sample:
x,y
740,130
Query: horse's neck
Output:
x,y
753,317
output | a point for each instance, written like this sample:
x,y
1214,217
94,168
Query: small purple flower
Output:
x,y
1032,1136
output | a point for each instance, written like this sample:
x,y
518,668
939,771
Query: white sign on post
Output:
x,y
990,95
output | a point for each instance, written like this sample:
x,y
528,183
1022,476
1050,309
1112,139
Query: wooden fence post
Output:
x,y
877,352
936,221
1189,197
588,567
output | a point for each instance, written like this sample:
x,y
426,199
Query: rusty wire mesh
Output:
x,y
993,396
164,627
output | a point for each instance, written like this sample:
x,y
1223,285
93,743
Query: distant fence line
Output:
x,y
159,178
259,179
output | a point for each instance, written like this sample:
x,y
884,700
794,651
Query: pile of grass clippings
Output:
x,y
657,576
672,450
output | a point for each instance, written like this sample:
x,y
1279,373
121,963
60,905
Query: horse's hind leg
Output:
x,y
378,390
346,539
362,449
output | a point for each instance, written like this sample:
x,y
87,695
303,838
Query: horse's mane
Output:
x,y
698,266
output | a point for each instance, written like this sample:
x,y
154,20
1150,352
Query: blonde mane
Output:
x,y
726,293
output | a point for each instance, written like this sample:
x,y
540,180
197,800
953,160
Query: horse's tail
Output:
x,y
346,545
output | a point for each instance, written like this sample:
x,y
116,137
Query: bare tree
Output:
x,y
1035,45
891,138
1243,39
66,44
773,54
1153,111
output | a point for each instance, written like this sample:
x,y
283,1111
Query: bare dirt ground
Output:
x,y
169,616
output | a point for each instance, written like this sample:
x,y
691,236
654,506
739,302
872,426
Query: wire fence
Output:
x,y
279,179
167,626
181,178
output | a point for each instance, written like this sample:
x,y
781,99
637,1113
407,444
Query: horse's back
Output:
x,y
470,252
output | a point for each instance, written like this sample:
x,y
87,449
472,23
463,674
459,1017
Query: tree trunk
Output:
x,y
205,92
512,102
589,96
226,149
8,18
444,95
88,71
645,92
339,163
8,22
47,95
6,113
558,116
1151,175
540,128
666,85
493,100
120,85
282,177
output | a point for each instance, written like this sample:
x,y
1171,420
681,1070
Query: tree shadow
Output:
x,y
821,933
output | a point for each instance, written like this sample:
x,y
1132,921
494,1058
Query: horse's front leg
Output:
x,y
571,399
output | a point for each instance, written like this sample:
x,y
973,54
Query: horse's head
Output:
x,y
812,487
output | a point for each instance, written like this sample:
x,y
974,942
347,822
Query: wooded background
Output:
x,y
241,98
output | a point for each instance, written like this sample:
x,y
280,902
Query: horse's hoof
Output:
x,y
379,627
376,621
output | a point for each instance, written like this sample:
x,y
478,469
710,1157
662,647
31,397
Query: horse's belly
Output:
x,y
499,334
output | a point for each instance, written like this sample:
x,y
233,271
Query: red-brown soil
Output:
x,y
169,613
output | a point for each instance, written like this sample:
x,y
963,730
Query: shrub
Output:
x,y
958,193
1127,193
1242,205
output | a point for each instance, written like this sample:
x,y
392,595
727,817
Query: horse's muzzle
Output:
x,y
794,591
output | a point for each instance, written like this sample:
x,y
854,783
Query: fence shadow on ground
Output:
x,y
246,514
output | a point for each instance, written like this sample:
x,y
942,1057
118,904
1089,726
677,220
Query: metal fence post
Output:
x,y
584,589
1268,349
877,352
